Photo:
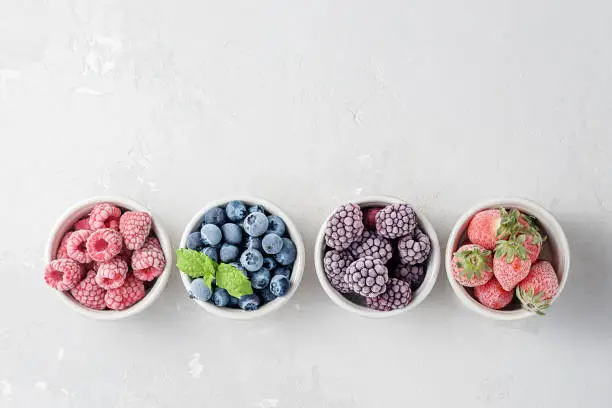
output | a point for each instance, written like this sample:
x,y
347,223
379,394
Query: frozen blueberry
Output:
x,y
199,290
240,268
211,253
287,254
260,279
236,211
251,259
276,225
272,244
215,216
232,233
194,241
233,302
256,224
284,271
211,234
266,295
229,253
256,208
269,263
253,243
249,302
279,285
220,297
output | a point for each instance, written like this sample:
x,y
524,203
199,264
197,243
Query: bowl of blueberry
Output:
x,y
241,258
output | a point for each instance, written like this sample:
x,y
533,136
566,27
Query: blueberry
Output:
x,y
251,259
253,243
284,271
266,295
272,244
211,234
276,225
240,268
229,253
233,302
194,241
211,253
287,254
199,290
220,297
215,216
269,263
236,211
249,302
256,224
232,233
256,208
260,279
279,285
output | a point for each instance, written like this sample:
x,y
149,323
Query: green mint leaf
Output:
x,y
233,280
196,265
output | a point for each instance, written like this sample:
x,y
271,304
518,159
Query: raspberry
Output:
x,y
413,274
134,227
88,293
104,244
414,250
397,296
76,246
344,227
82,224
112,274
374,245
126,295
104,215
62,252
367,276
369,217
395,221
335,264
148,262
63,274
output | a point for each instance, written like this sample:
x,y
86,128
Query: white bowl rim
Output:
x,y
431,275
296,273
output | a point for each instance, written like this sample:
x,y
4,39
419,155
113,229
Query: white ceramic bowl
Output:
x,y
296,274
555,250
431,275
80,210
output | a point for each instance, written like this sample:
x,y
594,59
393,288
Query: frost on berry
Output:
x,y
412,274
128,294
63,274
88,293
414,249
344,227
62,251
335,264
395,221
76,246
149,261
374,245
104,215
397,296
112,274
135,227
104,244
367,276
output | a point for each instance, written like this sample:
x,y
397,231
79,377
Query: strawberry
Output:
x,y
511,263
472,265
489,226
538,288
533,240
492,295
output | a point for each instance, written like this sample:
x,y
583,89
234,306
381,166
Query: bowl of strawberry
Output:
x,y
507,259
107,258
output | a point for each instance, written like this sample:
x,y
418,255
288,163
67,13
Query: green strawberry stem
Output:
x,y
472,262
511,248
532,301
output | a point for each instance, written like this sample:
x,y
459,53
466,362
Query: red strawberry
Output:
x,y
492,295
472,265
134,227
511,263
538,288
489,226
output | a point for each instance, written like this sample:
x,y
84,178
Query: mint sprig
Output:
x,y
196,265
234,281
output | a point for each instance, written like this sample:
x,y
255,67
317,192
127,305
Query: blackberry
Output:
x,y
344,227
397,296
413,274
335,264
374,245
395,221
415,249
367,276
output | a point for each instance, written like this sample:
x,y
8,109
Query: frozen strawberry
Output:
x,y
511,263
88,293
489,226
135,227
76,247
538,288
128,294
492,295
472,265
63,274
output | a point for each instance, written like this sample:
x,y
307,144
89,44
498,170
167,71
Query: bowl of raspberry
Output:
x,y
108,258
507,259
377,256
241,258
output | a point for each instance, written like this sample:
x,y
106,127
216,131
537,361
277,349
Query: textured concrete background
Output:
x,y
308,104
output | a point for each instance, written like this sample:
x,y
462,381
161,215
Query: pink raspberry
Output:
x,y
62,252
63,274
112,274
104,215
126,295
135,227
76,247
104,244
88,293
82,224
149,261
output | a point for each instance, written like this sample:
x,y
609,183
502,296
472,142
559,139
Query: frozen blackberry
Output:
x,y
397,296
335,264
415,249
344,227
374,245
413,274
395,221
367,276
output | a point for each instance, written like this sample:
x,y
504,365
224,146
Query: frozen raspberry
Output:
x,y
82,224
63,274
126,295
397,296
148,262
104,215
88,293
76,247
335,264
126,254
395,221
369,217
414,249
112,274
374,245
413,274
344,227
134,227
367,276
104,244
62,251
152,243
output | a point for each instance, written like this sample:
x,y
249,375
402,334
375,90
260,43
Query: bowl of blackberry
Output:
x,y
377,256
241,258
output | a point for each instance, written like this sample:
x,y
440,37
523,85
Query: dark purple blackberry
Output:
x,y
415,249
335,264
367,276
395,221
344,227
413,274
397,296
374,245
